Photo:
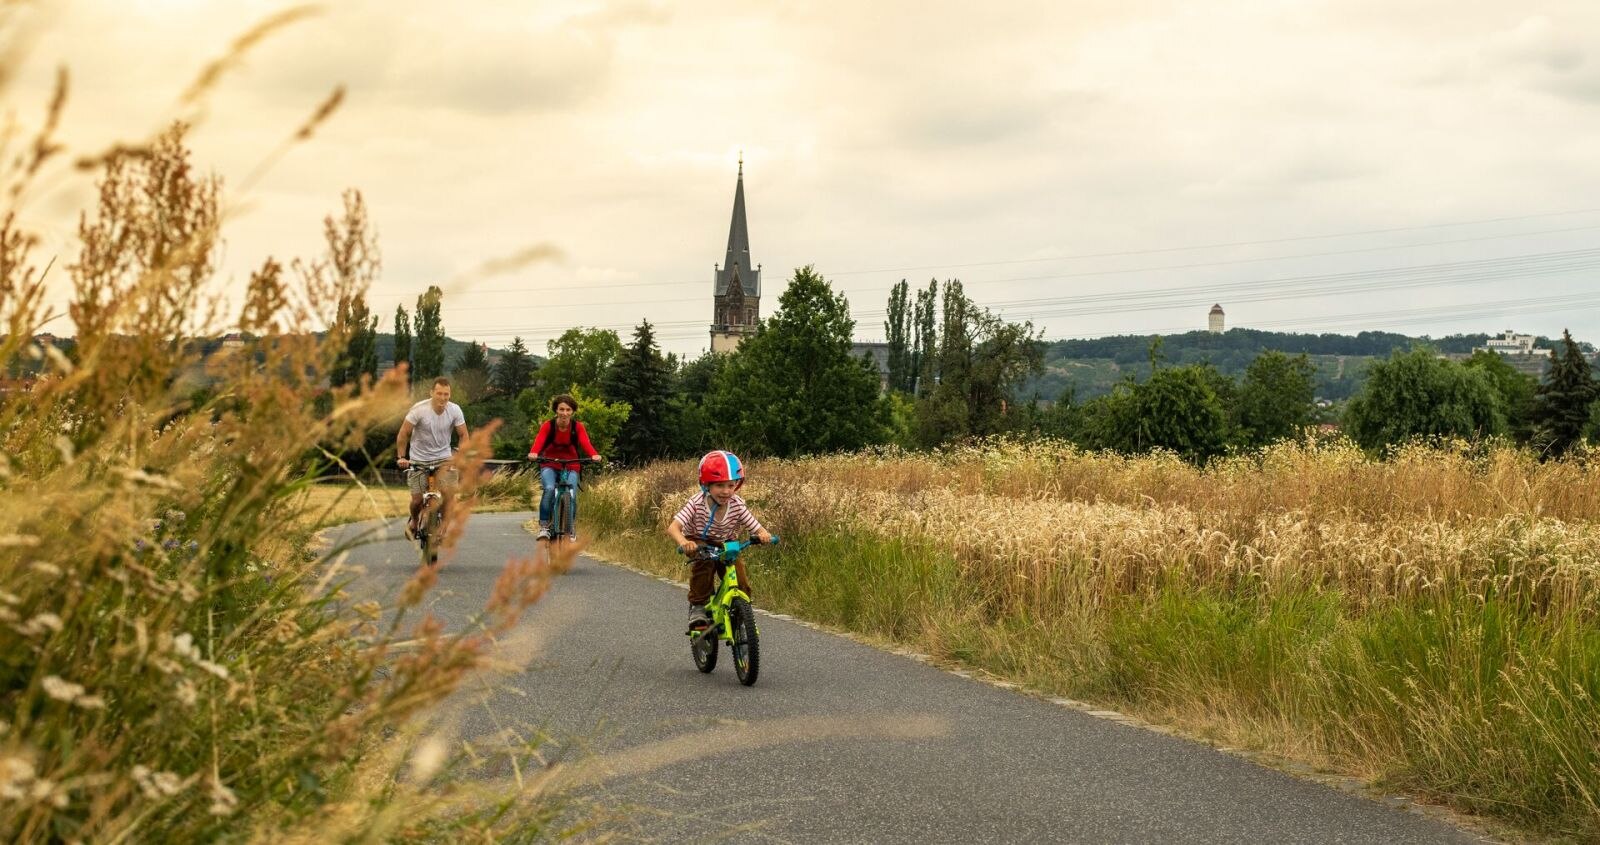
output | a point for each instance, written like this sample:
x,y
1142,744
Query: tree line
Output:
x,y
953,370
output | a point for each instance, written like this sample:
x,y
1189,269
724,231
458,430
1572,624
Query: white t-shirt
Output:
x,y
430,432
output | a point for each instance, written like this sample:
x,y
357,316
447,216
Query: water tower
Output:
x,y
1214,321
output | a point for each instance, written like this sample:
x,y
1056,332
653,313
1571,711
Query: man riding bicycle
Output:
x,y
424,438
558,446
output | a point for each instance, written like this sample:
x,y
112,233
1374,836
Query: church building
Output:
x,y
736,285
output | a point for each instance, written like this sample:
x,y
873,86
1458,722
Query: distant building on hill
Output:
x,y
878,353
1510,343
1214,322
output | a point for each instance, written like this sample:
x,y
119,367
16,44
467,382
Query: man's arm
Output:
x,y
402,445
461,435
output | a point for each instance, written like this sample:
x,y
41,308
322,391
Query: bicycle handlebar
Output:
x,y
727,551
534,459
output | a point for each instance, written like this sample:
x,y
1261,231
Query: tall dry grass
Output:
x,y
1430,620
180,662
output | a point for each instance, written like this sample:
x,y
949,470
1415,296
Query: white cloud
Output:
x,y
880,135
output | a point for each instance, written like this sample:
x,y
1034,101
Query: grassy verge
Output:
x,y
1460,661
178,660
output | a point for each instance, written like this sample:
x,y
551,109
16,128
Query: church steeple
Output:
x,y
738,244
736,286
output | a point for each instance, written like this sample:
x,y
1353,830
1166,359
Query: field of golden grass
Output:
x,y
1429,621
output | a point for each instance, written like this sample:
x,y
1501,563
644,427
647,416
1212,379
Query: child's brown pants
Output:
x,y
703,576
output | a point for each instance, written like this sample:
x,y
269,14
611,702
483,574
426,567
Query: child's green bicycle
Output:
x,y
733,620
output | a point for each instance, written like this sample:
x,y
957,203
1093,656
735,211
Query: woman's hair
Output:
x,y
563,397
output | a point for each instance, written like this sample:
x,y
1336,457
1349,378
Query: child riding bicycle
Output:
x,y
715,514
558,446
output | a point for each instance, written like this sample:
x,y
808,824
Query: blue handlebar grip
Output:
x,y
774,540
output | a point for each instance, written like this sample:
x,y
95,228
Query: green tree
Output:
x,y
981,361
1276,400
641,379
1561,411
428,358
1419,394
358,328
794,388
473,357
924,341
471,375
578,358
402,342
690,430
897,331
1518,391
1178,409
513,373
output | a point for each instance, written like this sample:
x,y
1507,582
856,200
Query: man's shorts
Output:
x,y
417,479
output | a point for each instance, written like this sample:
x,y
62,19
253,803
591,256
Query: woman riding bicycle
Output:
x,y
558,447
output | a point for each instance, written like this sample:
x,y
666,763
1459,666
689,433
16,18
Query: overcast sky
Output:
x,y
1098,167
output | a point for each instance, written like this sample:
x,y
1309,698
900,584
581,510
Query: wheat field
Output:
x,y
1429,621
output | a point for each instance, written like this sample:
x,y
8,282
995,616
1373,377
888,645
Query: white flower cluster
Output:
x,y
184,645
157,785
63,690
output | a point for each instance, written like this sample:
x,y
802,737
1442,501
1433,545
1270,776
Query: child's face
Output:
x,y
722,491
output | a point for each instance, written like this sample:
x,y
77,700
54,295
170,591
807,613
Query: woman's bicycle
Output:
x,y
733,620
565,514
430,520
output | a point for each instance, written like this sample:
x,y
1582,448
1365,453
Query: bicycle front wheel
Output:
x,y
746,642
432,533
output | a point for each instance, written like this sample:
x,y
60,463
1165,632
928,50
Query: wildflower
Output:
x,y
15,774
183,644
156,785
188,592
41,623
223,801
90,702
61,690
187,694
46,791
215,669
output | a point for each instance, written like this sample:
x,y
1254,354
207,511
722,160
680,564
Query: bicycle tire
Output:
x,y
436,534
563,523
746,646
703,648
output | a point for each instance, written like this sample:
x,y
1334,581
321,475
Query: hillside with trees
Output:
x,y
1092,367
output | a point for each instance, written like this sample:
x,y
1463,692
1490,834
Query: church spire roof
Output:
x,y
738,230
738,263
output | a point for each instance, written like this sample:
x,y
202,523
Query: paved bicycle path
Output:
x,y
840,742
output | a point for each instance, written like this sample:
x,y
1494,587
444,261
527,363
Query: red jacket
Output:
x,y
563,446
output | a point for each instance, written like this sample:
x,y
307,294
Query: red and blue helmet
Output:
x,y
721,466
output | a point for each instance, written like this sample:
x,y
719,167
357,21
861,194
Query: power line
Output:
x,y
1123,271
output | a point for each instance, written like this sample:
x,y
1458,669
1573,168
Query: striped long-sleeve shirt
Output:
x,y
703,519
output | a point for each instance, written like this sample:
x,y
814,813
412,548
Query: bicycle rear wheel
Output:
x,y
704,648
746,642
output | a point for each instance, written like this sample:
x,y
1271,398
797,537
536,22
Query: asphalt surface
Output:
x,y
839,742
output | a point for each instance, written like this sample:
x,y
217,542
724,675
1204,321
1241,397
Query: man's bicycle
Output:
x,y
733,620
565,514
430,520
